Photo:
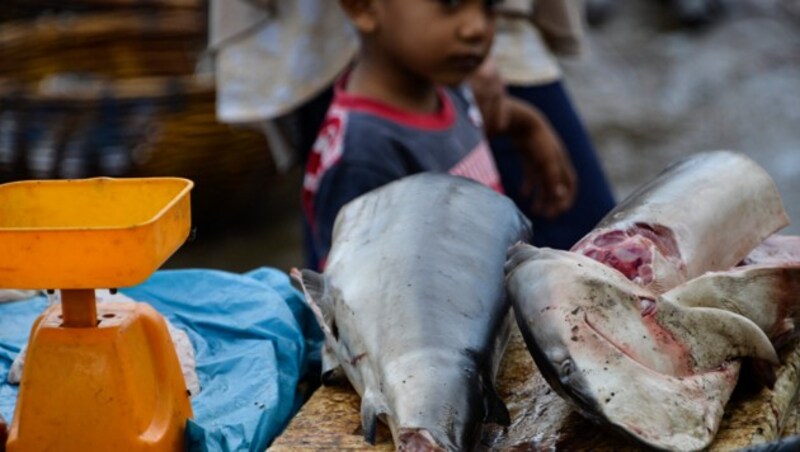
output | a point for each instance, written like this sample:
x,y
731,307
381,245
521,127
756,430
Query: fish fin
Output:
x,y
372,408
332,371
769,295
315,289
495,409
715,336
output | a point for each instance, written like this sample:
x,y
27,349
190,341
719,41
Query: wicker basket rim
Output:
x,y
120,89
100,25
117,3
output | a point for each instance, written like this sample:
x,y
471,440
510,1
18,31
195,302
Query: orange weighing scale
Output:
x,y
96,377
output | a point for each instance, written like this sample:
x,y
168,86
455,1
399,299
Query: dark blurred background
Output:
x,y
123,88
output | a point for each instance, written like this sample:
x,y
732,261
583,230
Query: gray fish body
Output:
x,y
414,305
704,213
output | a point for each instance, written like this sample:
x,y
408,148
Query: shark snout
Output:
x,y
417,440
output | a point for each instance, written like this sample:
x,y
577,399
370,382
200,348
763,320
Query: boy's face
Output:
x,y
441,40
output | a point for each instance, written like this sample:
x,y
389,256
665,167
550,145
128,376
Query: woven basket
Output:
x,y
113,94
109,4
28,9
135,127
119,45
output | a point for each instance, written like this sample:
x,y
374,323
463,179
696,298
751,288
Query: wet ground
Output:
x,y
650,93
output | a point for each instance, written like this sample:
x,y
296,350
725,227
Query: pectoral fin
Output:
x,y
715,336
769,295
331,369
373,407
315,290
495,409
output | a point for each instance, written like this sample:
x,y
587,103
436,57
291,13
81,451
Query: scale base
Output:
x,y
117,386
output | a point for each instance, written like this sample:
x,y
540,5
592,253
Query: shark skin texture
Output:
x,y
413,307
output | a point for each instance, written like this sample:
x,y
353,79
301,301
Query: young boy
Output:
x,y
400,110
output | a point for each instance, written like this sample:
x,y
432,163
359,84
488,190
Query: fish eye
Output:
x,y
567,367
647,306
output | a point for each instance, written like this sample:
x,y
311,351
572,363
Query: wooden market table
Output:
x,y
541,420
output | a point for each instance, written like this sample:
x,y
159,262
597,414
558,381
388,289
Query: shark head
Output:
x,y
625,356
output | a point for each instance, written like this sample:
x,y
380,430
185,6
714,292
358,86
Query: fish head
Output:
x,y
401,395
569,308
625,356
439,399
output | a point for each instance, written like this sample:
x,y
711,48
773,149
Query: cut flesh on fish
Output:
x,y
658,370
413,306
641,325
704,213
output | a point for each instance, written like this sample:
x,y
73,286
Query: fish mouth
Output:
x,y
609,340
417,440
615,345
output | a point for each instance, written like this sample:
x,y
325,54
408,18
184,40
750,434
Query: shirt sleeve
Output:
x,y
341,184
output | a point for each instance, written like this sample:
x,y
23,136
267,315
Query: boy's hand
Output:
x,y
490,95
549,173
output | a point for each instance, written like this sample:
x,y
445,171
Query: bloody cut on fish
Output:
x,y
414,310
641,326
704,213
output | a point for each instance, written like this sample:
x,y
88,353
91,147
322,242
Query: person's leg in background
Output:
x,y
595,197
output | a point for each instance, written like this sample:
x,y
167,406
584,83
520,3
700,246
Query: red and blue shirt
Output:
x,y
364,144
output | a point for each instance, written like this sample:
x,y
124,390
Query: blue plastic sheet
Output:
x,y
252,335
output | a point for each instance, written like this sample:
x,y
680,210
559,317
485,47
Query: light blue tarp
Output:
x,y
252,335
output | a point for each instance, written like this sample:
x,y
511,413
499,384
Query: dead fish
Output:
x,y
658,367
413,304
704,213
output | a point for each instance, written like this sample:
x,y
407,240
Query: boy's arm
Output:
x,y
548,169
549,173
